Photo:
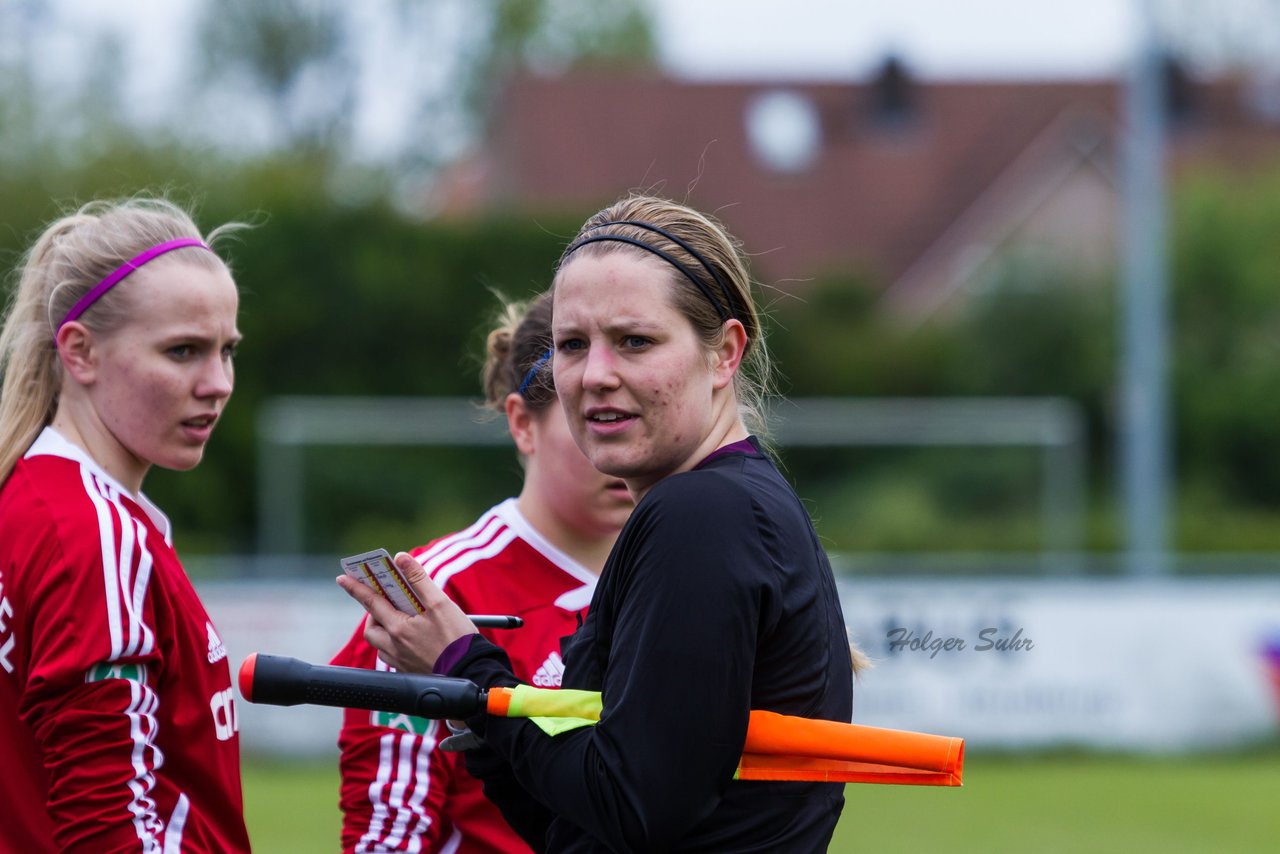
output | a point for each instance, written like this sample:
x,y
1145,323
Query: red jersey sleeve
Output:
x,y
104,614
90,701
394,781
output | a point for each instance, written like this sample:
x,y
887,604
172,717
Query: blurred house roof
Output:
x,y
910,183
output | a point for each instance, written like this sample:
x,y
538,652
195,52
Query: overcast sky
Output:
x,y
820,38
844,38
704,39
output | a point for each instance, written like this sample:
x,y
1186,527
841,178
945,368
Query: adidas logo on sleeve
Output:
x,y
550,673
217,651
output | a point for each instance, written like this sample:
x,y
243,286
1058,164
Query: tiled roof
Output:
x,y
897,166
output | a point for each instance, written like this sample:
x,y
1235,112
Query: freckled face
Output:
x,y
163,378
635,381
584,500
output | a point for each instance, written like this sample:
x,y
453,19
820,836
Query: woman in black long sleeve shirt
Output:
x,y
717,598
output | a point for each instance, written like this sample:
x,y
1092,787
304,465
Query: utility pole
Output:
x,y
1144,451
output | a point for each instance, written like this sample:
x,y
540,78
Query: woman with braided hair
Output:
x,y
535,556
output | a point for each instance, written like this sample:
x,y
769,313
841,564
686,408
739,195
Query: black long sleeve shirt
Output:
x,y
717,599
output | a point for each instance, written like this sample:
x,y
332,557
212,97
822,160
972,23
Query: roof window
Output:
x,y
784,130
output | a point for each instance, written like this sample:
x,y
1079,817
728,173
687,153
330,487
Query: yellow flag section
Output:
x,y
778,747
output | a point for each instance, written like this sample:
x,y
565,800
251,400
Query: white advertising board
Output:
x,y
1111,664
310,620
1100,664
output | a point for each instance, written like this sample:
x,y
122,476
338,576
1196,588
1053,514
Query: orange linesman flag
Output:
x,y
778,747
784,747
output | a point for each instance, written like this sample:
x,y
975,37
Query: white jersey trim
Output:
x,y
51,443
404,759
124,593
490,534
142,728
509,511
177,826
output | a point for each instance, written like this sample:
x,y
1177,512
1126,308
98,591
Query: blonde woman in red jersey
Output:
x,y
535,556
118,729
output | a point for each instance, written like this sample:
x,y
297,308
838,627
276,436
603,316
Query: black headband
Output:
x,y
669,258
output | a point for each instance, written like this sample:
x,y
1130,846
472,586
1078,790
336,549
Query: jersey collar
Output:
x,y
51,443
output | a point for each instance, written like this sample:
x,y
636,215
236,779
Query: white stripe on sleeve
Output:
x,y
500,542
107,547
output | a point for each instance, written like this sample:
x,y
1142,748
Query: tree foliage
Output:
x,y
300,66
1227,320
1060,338
343,293
295,54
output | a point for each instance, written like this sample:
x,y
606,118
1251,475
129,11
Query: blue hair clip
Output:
x,y
533,371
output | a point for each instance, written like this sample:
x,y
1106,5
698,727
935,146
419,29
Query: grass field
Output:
x,y
1023,804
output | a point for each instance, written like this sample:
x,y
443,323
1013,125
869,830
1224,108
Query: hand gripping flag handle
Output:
x,y
778,747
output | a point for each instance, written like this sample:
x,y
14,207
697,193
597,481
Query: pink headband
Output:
x,y
82,305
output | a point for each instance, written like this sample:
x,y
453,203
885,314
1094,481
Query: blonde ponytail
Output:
x,y
71,256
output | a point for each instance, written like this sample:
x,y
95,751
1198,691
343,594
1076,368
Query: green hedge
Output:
x,y
342,294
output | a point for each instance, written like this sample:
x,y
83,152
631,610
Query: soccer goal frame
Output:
x,y
288,425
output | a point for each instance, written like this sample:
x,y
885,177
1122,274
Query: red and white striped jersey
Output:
x,y
399,793
118,722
